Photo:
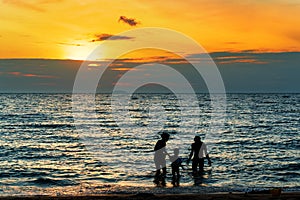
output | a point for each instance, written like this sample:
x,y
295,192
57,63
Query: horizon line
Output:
x,y
213,52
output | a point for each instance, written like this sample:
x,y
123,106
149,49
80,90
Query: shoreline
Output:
x,y
117,190
205,196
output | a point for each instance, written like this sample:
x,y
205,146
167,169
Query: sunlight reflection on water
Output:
x,y
41,152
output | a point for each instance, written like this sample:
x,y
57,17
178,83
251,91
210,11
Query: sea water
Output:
x,y
44,150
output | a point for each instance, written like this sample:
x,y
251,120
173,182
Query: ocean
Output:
x,y
43,150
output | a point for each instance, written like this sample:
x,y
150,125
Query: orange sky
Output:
x,y
66,29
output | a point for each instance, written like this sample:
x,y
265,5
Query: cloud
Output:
x,y
274,72
14,73
37,75
23,4
29,75
105,36
69,44
253,61
151,59
232,43
246,57
123,69
238,59
129,21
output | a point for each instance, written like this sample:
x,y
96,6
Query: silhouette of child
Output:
x,y
176,163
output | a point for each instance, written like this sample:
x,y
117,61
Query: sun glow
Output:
x,y
79,52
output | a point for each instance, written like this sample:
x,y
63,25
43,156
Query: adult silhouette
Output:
x,y
160,159
198,152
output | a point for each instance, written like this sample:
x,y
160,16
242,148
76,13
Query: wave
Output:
x,y
289,167
46,182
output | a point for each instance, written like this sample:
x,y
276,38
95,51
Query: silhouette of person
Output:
x,y
176,163
160,159
199,151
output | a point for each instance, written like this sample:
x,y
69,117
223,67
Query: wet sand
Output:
x,y
140,196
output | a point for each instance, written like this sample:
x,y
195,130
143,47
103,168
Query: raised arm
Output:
x,y
206,154
191,154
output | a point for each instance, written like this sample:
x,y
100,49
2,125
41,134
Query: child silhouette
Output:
x,y
176,163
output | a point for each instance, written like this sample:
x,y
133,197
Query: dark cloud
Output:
x,y
37,75
129,21
239,59
104,36
20,74
241,72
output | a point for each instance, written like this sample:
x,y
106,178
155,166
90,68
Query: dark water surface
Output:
x,y
41,151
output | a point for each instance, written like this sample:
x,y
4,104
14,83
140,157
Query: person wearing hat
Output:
x,y
160,157
199,151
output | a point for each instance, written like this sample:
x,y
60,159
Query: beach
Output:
x,y
213,196
163,193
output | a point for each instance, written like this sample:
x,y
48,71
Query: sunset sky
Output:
x,y
235,33
68,29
